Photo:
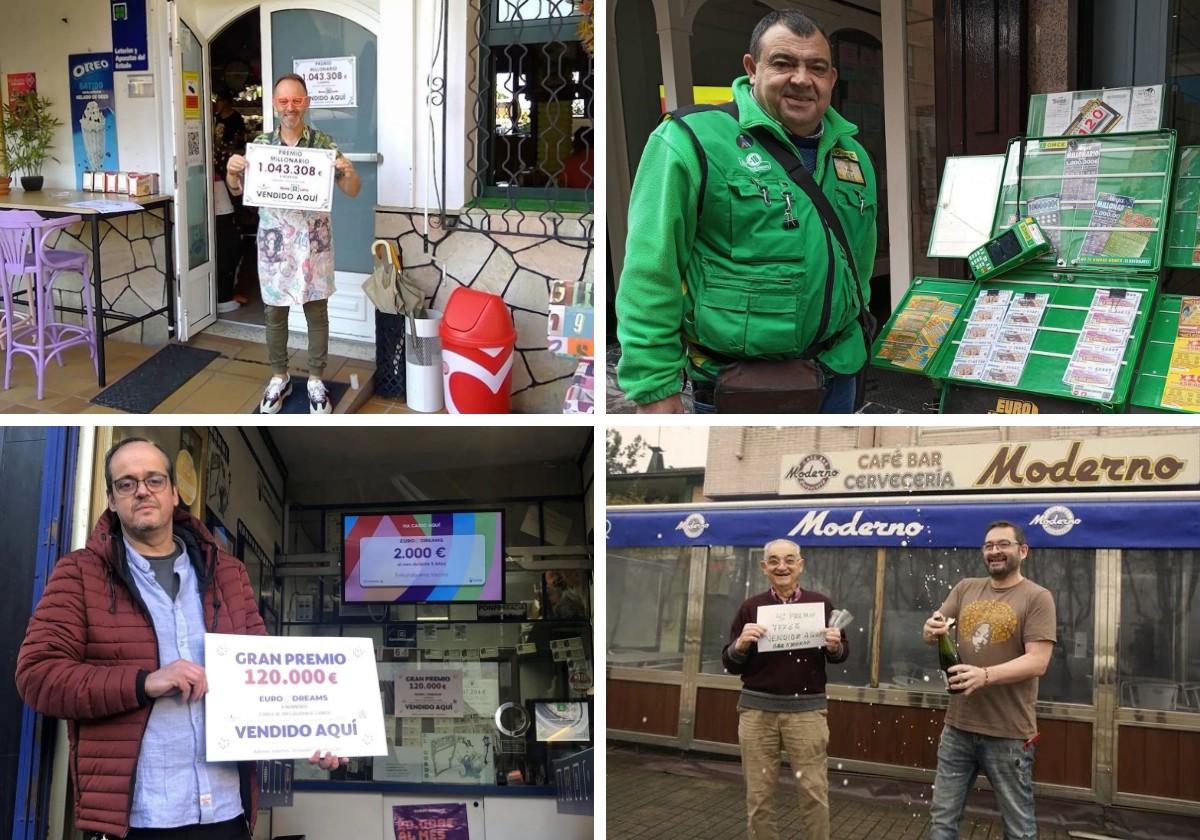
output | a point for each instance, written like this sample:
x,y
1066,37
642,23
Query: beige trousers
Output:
x,y
805,738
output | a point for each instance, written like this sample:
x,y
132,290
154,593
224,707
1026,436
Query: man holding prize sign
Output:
x,y
117,647
779,643
289,174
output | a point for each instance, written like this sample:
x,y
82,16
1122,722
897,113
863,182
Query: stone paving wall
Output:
x,y
133,260
519,268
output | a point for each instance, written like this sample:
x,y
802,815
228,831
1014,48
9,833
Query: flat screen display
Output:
x,y
1003,248
434,557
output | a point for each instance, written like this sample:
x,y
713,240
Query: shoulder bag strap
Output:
x,y
804,179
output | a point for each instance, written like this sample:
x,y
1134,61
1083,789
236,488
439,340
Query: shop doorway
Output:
x,y
247,54
235,64
193,187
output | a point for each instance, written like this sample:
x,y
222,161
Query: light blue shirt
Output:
x,y
175,785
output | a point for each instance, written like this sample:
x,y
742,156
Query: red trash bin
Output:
x,y
477,353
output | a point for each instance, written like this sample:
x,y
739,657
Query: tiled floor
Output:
x,y
231,384
667,797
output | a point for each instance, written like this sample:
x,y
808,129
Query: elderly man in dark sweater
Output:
x,y
782,705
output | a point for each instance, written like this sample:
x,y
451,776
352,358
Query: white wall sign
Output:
x,y
331,82
791,626
1159,461
429,694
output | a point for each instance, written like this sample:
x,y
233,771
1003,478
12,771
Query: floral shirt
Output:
x,y
295,247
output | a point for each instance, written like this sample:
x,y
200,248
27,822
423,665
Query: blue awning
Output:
x,y
926,524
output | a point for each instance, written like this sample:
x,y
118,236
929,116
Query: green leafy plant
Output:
x,y
29,128
3,150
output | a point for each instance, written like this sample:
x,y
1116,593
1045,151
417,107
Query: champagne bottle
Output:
x,y
948,655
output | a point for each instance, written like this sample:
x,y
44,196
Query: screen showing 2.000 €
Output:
x,y
406,558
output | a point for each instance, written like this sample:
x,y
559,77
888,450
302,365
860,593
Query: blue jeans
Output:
x,y
839,396
1009,768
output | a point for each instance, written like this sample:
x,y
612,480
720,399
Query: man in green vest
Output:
x,y
727,258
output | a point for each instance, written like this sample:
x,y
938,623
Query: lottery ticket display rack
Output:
x,y
1169,376
1064,332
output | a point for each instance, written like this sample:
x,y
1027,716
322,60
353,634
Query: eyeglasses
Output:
x,y
1003,545
787,561
283,102
155,483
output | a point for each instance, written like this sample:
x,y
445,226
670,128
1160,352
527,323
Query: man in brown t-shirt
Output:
x,y
1006,633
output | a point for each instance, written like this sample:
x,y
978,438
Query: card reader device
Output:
x,y
1016,246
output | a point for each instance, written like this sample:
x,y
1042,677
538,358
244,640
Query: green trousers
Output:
x,y
316,313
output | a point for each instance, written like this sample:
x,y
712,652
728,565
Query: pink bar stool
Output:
x,y
44,337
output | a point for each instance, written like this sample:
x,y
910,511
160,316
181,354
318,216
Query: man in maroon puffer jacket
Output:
x,y
115,648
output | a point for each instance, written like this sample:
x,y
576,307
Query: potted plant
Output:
x,y
5,178
29,128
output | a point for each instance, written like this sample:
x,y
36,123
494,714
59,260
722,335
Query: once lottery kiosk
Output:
x,y
1066,237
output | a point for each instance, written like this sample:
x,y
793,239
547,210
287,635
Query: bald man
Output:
x,y
782,705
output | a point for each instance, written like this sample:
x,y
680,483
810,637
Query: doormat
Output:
x,y
297,401
143,388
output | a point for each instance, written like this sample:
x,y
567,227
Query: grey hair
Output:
x,y
767,547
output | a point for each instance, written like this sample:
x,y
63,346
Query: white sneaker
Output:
x,y
277,391
318,397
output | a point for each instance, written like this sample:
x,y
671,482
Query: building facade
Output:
x,y
889,519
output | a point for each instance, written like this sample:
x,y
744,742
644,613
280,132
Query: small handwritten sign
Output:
x,y
791,626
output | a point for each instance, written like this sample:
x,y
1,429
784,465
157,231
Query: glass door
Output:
x,y
295,41
193,180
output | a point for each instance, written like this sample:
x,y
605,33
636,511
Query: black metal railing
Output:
x,y
530,141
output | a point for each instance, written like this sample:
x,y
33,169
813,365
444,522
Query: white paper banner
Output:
x,y
288,697
791,626
289,177
331,82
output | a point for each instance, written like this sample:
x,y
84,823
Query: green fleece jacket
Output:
x,y
732,278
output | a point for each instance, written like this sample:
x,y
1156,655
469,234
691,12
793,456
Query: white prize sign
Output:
x,y
791,626
290,696
331,82
289,177
429,694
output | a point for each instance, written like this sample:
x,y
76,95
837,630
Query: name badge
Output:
x,y
847,167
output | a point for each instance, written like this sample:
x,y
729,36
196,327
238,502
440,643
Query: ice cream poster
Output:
x,y
93,119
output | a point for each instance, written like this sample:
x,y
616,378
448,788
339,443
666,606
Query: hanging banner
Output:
x,y
419,822
331,82
129,34
20,84
1051,523
93,119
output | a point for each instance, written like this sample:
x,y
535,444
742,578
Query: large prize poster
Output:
x,y
93,118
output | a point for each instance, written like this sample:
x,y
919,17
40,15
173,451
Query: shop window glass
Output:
x,y
502,662
563,523
917,582
1070,575
845,575
535,103
1158,637
647,607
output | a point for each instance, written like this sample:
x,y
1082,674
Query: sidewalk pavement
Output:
x,y
668,797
